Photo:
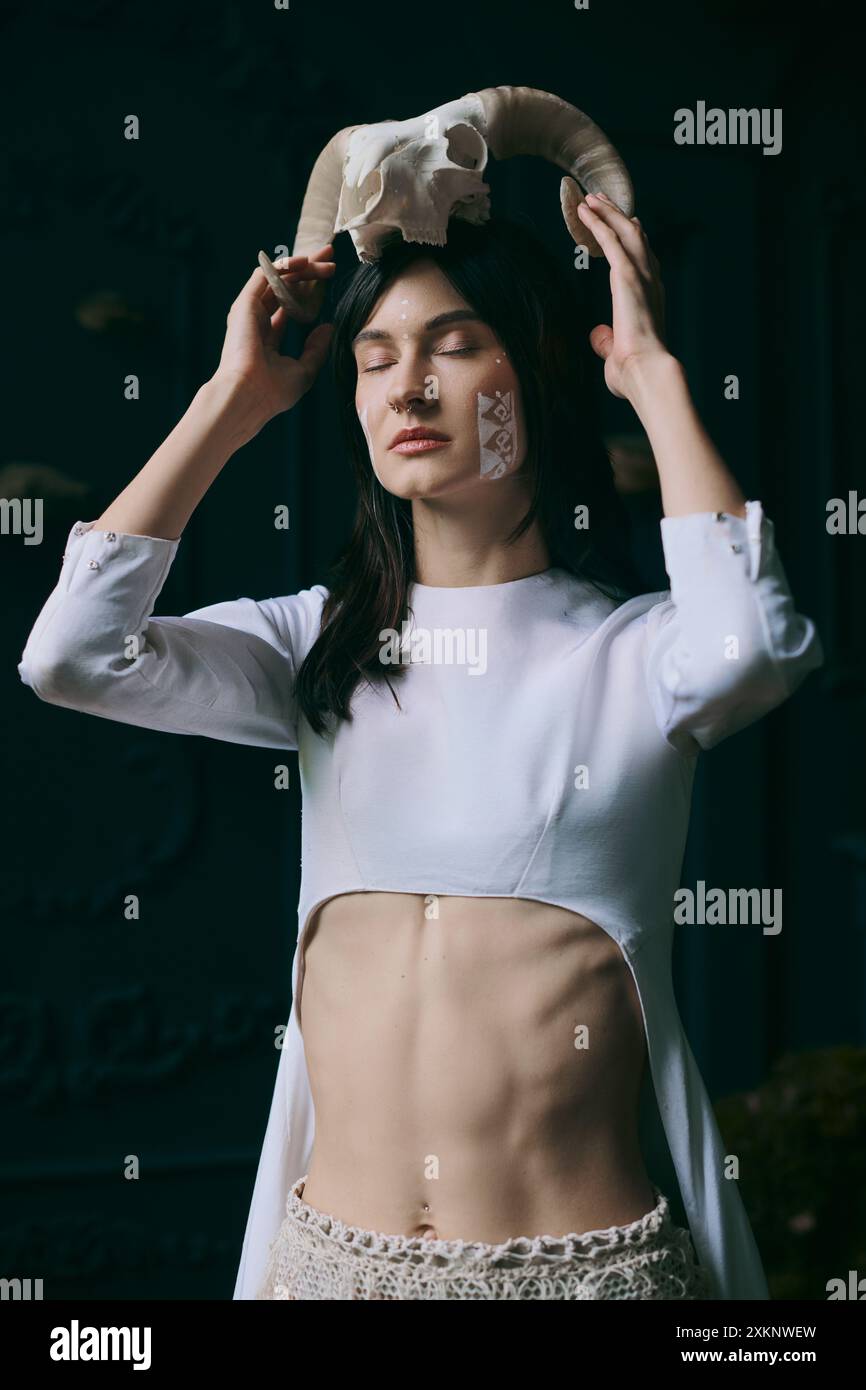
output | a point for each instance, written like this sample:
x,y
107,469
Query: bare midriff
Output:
x,y
475,1066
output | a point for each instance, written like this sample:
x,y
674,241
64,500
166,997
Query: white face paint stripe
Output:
x,y
363,418
497,433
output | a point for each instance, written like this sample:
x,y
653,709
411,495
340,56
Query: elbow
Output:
x,y
38,676
766,668
802,654
753,685
745,690
57,682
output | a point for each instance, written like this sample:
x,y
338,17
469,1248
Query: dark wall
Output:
x,y
155,1037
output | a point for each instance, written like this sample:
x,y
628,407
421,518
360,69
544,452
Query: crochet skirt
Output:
x,y
316,1256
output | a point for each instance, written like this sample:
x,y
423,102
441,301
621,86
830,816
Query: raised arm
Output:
x,y
729,644
639,368
226,671
253,382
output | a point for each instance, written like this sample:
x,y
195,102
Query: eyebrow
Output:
x,y
452,316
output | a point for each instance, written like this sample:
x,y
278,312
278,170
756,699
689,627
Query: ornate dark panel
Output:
x,y
121,1041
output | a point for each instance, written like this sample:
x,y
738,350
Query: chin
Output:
x,y
418,478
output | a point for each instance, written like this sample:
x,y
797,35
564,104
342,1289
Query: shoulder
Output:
x,y
643,612
605,617
297,618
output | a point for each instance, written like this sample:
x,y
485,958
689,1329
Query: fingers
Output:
x,y
624,243
634,267
288,275
324,253
321,262
316,345
315,351
617,256
627,229
290,269
601,340
279,322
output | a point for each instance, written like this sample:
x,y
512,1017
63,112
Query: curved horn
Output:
x,y
524,120
315,228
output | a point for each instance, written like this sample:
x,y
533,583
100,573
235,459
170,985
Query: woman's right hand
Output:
x,y
251,359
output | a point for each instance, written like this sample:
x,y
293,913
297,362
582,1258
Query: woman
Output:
x,y
495,799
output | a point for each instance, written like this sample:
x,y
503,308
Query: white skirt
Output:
x,y
317,1256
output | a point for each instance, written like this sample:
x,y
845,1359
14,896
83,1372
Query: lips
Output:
x,y
419,434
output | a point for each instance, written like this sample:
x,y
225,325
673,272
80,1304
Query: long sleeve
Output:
x,y
226,671
729,644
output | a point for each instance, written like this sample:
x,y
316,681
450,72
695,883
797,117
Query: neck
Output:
x,y
465,545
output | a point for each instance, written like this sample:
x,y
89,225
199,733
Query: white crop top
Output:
x,y
546,751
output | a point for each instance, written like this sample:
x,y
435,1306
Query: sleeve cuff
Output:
x,y
748,542
88,550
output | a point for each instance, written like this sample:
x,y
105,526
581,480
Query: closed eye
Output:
x,y
446,352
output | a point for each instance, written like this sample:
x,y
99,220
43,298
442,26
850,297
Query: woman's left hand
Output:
x,y
636,291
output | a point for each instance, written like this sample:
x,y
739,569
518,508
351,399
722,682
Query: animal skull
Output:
x,y
412,176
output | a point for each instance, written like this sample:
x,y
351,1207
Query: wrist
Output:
x,y
233,408
648,373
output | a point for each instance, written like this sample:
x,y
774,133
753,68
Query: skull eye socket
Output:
x,y
466,146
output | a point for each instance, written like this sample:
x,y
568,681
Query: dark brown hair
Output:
x,y
517,287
